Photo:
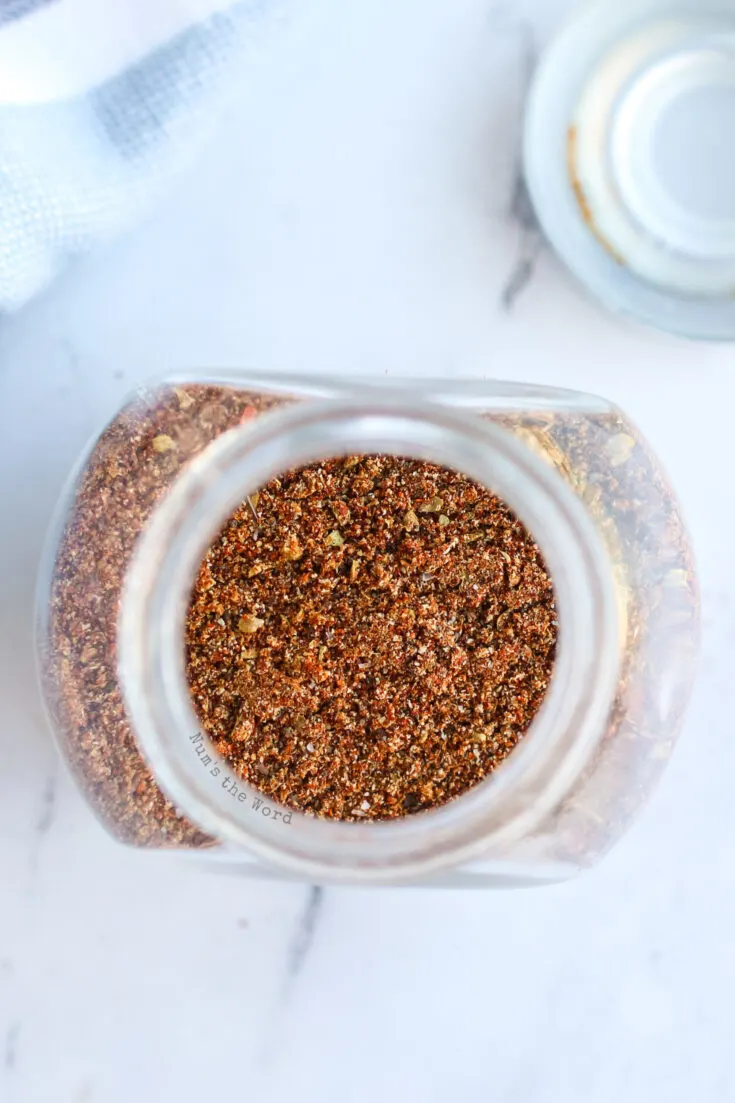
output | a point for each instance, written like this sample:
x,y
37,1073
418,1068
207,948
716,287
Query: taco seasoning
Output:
x,y
269,635
370,637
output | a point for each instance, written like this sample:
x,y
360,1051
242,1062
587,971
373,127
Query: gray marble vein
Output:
x,y
47,813
297,953
43,824
10,1049
303,939
520,207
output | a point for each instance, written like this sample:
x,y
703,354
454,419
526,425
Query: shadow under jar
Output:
x,y
155,493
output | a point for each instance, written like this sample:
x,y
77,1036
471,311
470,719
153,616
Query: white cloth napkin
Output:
x,y
101,103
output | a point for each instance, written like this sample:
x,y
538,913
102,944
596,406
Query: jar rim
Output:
x,y
513,799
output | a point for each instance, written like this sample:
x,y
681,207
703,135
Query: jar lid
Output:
x,y
630,159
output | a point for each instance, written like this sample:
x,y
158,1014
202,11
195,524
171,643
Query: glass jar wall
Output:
x,y
155,489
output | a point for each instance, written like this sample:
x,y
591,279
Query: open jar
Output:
x,y
158,489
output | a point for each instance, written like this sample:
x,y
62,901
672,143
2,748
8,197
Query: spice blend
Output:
x,y
370,637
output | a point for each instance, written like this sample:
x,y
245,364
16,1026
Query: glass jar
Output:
x,y
154,491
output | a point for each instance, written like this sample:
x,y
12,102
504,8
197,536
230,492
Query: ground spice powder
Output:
x,y
370,637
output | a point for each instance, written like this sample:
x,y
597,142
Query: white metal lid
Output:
x,y
630,157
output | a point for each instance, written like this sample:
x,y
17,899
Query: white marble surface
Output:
x,y
357,215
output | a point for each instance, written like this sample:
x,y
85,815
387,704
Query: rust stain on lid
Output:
x,y
584,203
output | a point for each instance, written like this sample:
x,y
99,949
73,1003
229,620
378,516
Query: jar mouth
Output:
x,y
505,806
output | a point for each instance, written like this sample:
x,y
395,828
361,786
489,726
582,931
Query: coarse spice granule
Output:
x,y
370,637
